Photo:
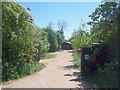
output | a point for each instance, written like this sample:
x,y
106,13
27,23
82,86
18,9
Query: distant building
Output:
x,y
66,46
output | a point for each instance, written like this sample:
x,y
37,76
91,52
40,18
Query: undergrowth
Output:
x,y
107,78
76,56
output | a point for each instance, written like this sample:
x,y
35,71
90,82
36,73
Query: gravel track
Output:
x,y
58,73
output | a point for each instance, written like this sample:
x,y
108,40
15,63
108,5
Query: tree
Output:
x,y
19,37
52,38
105,21
59,39
61,26
81,37
105,18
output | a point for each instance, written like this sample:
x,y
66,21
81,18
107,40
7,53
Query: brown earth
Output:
x,y
58,73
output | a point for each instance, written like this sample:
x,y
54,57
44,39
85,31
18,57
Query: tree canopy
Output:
x,y
52,38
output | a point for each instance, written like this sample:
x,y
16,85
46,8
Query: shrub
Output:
x,y
19,38
52,38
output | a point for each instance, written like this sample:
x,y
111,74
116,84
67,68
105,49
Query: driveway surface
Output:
x,y
58,73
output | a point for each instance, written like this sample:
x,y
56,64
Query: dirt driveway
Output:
x,y
58,73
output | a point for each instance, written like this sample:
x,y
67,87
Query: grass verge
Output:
x,y
60,50
49,56
76,56
37,68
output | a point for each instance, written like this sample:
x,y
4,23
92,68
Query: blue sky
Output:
x,y
72,13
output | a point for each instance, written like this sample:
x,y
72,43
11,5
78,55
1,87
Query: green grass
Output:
x,y
60,50
0,44
76,56
49,56
37,68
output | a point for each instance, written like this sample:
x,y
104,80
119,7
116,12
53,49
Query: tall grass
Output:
x,y
77,61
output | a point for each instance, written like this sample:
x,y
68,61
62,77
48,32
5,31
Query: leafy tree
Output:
x,y
60,39
19,37
105,21
61,26
41,39
52,38
60,32
81,37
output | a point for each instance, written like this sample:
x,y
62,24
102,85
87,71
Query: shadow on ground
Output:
x,y
81,81
68,67
71,60
70,51
79,78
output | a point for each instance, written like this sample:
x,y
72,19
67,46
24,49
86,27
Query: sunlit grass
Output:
x,y
49,56
37,68
76,56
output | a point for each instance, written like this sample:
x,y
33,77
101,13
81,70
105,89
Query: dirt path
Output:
x,y
58,73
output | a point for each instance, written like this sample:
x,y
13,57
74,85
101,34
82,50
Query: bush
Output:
x,y
52,38
19,38
80,38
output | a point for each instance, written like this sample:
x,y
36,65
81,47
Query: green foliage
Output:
x,y
104,31
105,23
41,38
61,26
81,38
105,27
37,68
19,38
60,50
0,44
52,38
60,38
76,56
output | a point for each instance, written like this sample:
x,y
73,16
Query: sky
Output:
x,y
71,12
